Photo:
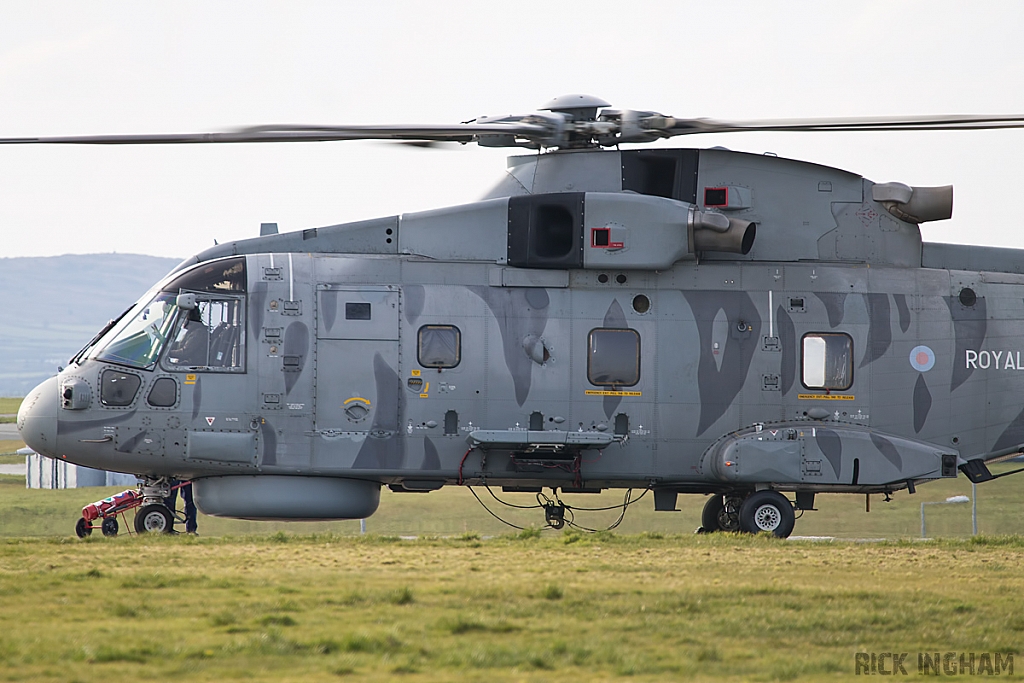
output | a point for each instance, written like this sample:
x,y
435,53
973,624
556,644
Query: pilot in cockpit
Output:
x,y
192,343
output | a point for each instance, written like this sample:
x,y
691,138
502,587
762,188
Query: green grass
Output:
x,y
511,608
474,600
9,406
8,452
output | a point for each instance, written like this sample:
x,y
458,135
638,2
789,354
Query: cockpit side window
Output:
x,y
226,275
210,337
827,361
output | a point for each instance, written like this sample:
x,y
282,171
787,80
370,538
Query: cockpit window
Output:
x,y
100,335
139,336
137,340
227,275
210,337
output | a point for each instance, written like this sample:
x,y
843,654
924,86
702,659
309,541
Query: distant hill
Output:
x,y
51,307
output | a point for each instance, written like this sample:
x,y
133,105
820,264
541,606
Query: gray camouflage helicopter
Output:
x,y
675,320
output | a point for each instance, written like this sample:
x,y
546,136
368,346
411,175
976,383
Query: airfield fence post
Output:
x,y
974,509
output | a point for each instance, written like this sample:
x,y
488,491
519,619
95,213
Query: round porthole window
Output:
x,y
968,297
641,304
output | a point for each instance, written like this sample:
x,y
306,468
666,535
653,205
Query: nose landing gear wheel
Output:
x,y
110,526
767,511
154,518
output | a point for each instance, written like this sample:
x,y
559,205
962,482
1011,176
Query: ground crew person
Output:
x,y
171,502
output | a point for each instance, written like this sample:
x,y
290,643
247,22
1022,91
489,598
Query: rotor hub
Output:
x,y
578,107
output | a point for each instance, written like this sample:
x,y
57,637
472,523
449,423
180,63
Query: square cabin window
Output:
x,y
439,346
827,361
613,357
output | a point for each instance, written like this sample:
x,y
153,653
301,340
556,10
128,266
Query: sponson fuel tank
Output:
x,y
287,498
824,454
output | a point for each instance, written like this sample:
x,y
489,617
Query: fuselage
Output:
x,y
843,356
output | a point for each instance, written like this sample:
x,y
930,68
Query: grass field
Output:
x,y
470,599
8,409
8,451
519,608
9,406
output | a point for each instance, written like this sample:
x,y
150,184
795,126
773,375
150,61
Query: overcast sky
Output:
x,y
130,67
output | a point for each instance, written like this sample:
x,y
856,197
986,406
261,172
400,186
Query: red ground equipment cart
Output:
x,y
151,517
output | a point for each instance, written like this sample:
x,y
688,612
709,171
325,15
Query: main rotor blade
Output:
x,y
540,129
298,133
953,122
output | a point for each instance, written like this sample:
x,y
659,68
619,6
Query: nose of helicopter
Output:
x,y
37,418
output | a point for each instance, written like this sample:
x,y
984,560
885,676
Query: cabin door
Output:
x,y
357,391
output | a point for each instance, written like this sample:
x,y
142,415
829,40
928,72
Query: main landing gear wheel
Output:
x,y
721,513
110,526
767,511
82,528
154,518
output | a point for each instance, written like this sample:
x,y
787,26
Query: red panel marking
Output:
x,y
725,190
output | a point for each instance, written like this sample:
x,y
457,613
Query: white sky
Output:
x,y
131,67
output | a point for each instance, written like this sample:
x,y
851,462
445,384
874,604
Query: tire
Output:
x,y
110,527
709,521
721,513
154,518
82,528
767,511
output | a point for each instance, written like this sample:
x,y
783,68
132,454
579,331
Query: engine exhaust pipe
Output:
x,y
718,232
915,204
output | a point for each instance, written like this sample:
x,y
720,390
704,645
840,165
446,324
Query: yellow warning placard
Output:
x,y
590,392
825,397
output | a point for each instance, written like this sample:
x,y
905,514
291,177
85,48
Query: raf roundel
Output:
x,y
922,358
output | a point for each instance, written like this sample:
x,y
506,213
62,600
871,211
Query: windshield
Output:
x,y
138,341
99,335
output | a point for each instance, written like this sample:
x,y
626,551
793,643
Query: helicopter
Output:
x,y
750,328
